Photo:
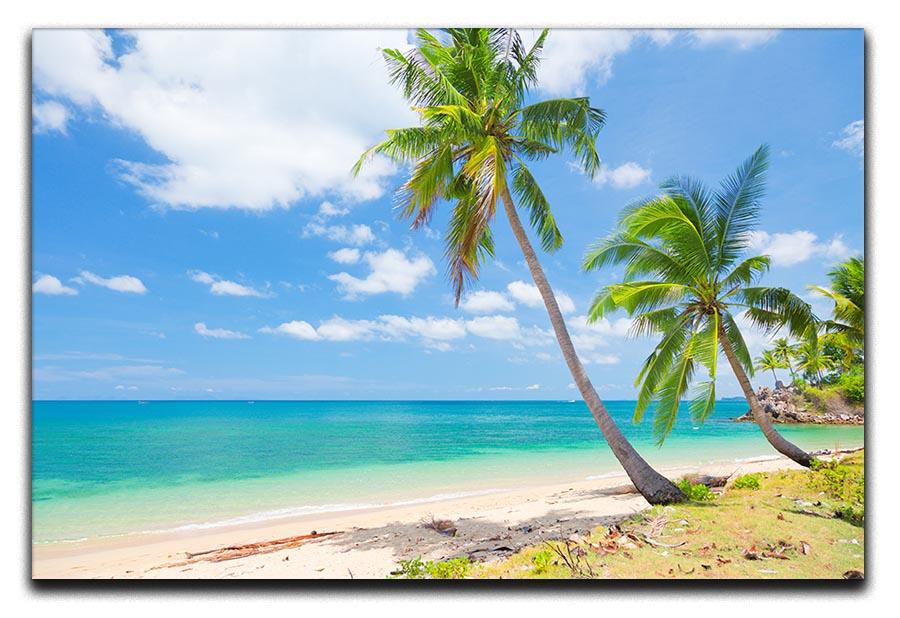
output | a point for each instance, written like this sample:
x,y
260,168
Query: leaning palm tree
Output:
x,y
477,133
768,361
784,351
685,280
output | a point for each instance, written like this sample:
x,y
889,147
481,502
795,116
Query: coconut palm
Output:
x,y
784,351
685,280
846,331
477,134
848,288
813,360
768,361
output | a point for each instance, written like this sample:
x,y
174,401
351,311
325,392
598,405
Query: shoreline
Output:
x,y
371,540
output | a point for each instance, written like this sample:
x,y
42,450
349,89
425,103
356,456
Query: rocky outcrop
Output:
x,y
789,405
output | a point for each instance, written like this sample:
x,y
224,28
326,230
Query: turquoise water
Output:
x,y
111,468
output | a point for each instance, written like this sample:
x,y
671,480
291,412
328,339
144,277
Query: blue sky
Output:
x,y
196,233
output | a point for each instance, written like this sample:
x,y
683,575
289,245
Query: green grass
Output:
x,y
794,525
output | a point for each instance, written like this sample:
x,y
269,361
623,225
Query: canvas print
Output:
x,y
464,303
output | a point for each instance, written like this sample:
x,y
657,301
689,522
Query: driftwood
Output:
x,y
233,552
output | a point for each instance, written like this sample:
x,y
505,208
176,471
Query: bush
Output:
x,y
853,384
845,485
457,568
542,561
695,492
747,481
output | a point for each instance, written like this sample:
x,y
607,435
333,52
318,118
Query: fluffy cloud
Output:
x,y
484,301
49,116
533,387
626,176
430,328
48,284
743,39
352,235
327,210
345,256
788,249
297,329
587,337
192,96
224,287
218,333
854,138
120,283
495,327
573,58
527,294
390,271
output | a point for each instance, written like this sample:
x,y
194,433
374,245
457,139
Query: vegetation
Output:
x,y
478,133
695,492
787,524
769,361
747,481
456,568
685,277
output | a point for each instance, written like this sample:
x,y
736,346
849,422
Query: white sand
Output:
x,y
372,541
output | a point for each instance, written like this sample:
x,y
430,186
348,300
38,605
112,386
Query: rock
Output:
x,y
789,405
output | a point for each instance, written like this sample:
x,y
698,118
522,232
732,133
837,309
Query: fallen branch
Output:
x,y
233,552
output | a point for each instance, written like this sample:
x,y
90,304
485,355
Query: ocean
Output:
x,y
110,468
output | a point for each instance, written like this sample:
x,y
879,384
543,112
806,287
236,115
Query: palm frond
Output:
x,y
532,198
737,204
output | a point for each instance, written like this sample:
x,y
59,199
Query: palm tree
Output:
x,y
848,289
768,361
847,328
813,360
784,351
477,132
683,279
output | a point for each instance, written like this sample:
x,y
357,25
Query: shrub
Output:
x,y
457,568
695,492
542,561
853,384
747,481
844,484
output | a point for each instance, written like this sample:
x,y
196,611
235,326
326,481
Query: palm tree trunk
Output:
x,y
783,446
775,377
656,488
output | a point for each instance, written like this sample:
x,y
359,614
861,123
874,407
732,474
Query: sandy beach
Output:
x,y
368,543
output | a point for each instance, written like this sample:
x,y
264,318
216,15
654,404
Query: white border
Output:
x,y
882,249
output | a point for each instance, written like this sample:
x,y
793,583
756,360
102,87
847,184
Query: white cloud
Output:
x,y
48,284
218,333
854,138
495,327
224,287
788,249
122,387
533,387
599,359
626,176
573,57
49,116
440,329
119,283
193,97
296,328
327,209
743,39
587,337
345,256
353,235
484,301
390,271
527,294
